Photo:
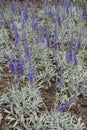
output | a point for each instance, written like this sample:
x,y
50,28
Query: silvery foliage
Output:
x,y
22,107
41,62
74,76
4,48
38,52
45,70
65,31
58,121
43,75
39,56
71,24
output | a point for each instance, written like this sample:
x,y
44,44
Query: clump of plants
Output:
x,y
22,107
45,47
58,121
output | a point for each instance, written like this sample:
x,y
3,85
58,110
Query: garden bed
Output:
x,y
43,66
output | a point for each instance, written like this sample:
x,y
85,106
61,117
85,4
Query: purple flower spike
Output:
x,y
55,46
16,34
21,68
50,12
25,15
19,10
38,37
79,41
63,107
13,6
11,65
36,25
77,9
68,56
16,37
55,39
67,10
27,52
72,99
46,2
79,44
27,3
56,4
61,76
75,59
84,16
47,38
31,76
67,7
59,22
2,17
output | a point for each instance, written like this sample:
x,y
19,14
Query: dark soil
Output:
x,y
80,108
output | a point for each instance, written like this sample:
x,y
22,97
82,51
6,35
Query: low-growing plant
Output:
x,y
22,107
58,121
